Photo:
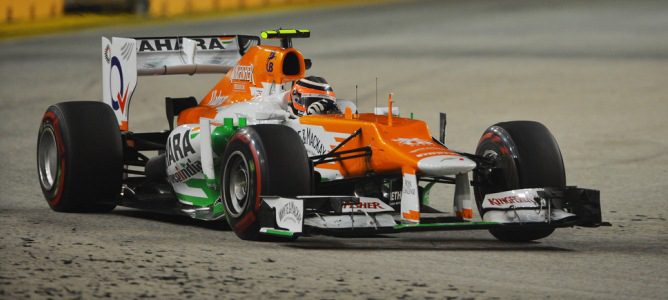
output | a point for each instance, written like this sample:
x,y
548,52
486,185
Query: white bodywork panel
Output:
x,y
289,212
119,75
441,165
183,158
520,206
266,109
187,55
318,141
367,205
463,203
410,201
351,221
206,153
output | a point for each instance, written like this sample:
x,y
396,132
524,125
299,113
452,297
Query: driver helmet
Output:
x,y
310,90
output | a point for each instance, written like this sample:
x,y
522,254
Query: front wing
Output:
x,y
348,215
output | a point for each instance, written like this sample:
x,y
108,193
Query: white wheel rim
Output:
x,y
47,156
236,184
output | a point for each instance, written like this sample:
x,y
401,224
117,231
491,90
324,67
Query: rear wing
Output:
x,y
123,59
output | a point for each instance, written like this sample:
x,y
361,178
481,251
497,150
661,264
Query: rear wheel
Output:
x,y
80,157
525,155
261,160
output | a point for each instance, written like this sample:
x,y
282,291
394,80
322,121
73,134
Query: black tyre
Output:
x,y
261,160
80,157
526,155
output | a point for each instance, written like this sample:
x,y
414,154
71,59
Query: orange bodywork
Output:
x,y
397,144
261,64
389,154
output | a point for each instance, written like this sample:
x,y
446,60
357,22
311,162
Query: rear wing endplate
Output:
x,y
123,59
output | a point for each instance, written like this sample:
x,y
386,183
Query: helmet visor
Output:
x,y
331,107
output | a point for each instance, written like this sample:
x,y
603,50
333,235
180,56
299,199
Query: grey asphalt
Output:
x,y
594,72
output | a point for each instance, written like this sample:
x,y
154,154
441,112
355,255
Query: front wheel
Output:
x,y
525,155
261,160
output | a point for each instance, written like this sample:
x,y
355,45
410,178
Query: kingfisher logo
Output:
x,y
509,200
120,97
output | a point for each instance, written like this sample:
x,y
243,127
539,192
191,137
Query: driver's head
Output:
x,y
309,90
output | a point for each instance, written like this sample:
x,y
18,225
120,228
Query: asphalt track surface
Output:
x,y
595,72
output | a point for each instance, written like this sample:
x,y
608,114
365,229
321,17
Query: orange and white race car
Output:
x,y
275,153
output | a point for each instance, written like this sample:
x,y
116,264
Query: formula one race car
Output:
x,y
276,154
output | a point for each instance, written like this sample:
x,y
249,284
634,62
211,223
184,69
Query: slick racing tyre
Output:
x,y
261,160
525,155
80,157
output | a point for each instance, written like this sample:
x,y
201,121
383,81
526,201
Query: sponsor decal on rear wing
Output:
x,y
123,59
190,55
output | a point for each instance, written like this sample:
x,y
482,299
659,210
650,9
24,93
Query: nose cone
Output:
x,y
445,165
